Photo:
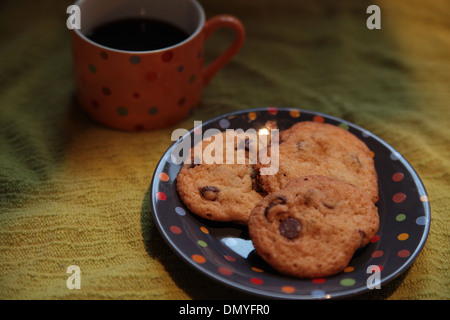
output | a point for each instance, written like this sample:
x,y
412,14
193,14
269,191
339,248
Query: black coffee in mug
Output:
x,y
137,34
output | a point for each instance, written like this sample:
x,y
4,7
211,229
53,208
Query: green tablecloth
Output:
x,y
75,193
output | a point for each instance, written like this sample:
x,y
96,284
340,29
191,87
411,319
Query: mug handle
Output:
x,y
211,25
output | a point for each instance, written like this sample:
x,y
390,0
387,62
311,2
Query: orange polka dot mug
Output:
x,y
151,89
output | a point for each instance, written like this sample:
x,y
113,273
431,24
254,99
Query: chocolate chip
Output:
x,y
290,228
194,162
312,197
245,144
209,193
255,177
278,200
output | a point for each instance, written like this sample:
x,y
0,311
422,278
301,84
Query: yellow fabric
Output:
x,y
75,193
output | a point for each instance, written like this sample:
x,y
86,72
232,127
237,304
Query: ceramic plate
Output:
x,y
225,252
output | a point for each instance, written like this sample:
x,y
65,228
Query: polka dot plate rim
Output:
x,y
224,252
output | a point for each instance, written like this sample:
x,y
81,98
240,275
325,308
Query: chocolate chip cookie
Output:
x,y
216,190
311,148
313,226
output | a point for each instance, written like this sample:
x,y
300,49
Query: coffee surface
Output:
x,y
137,34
